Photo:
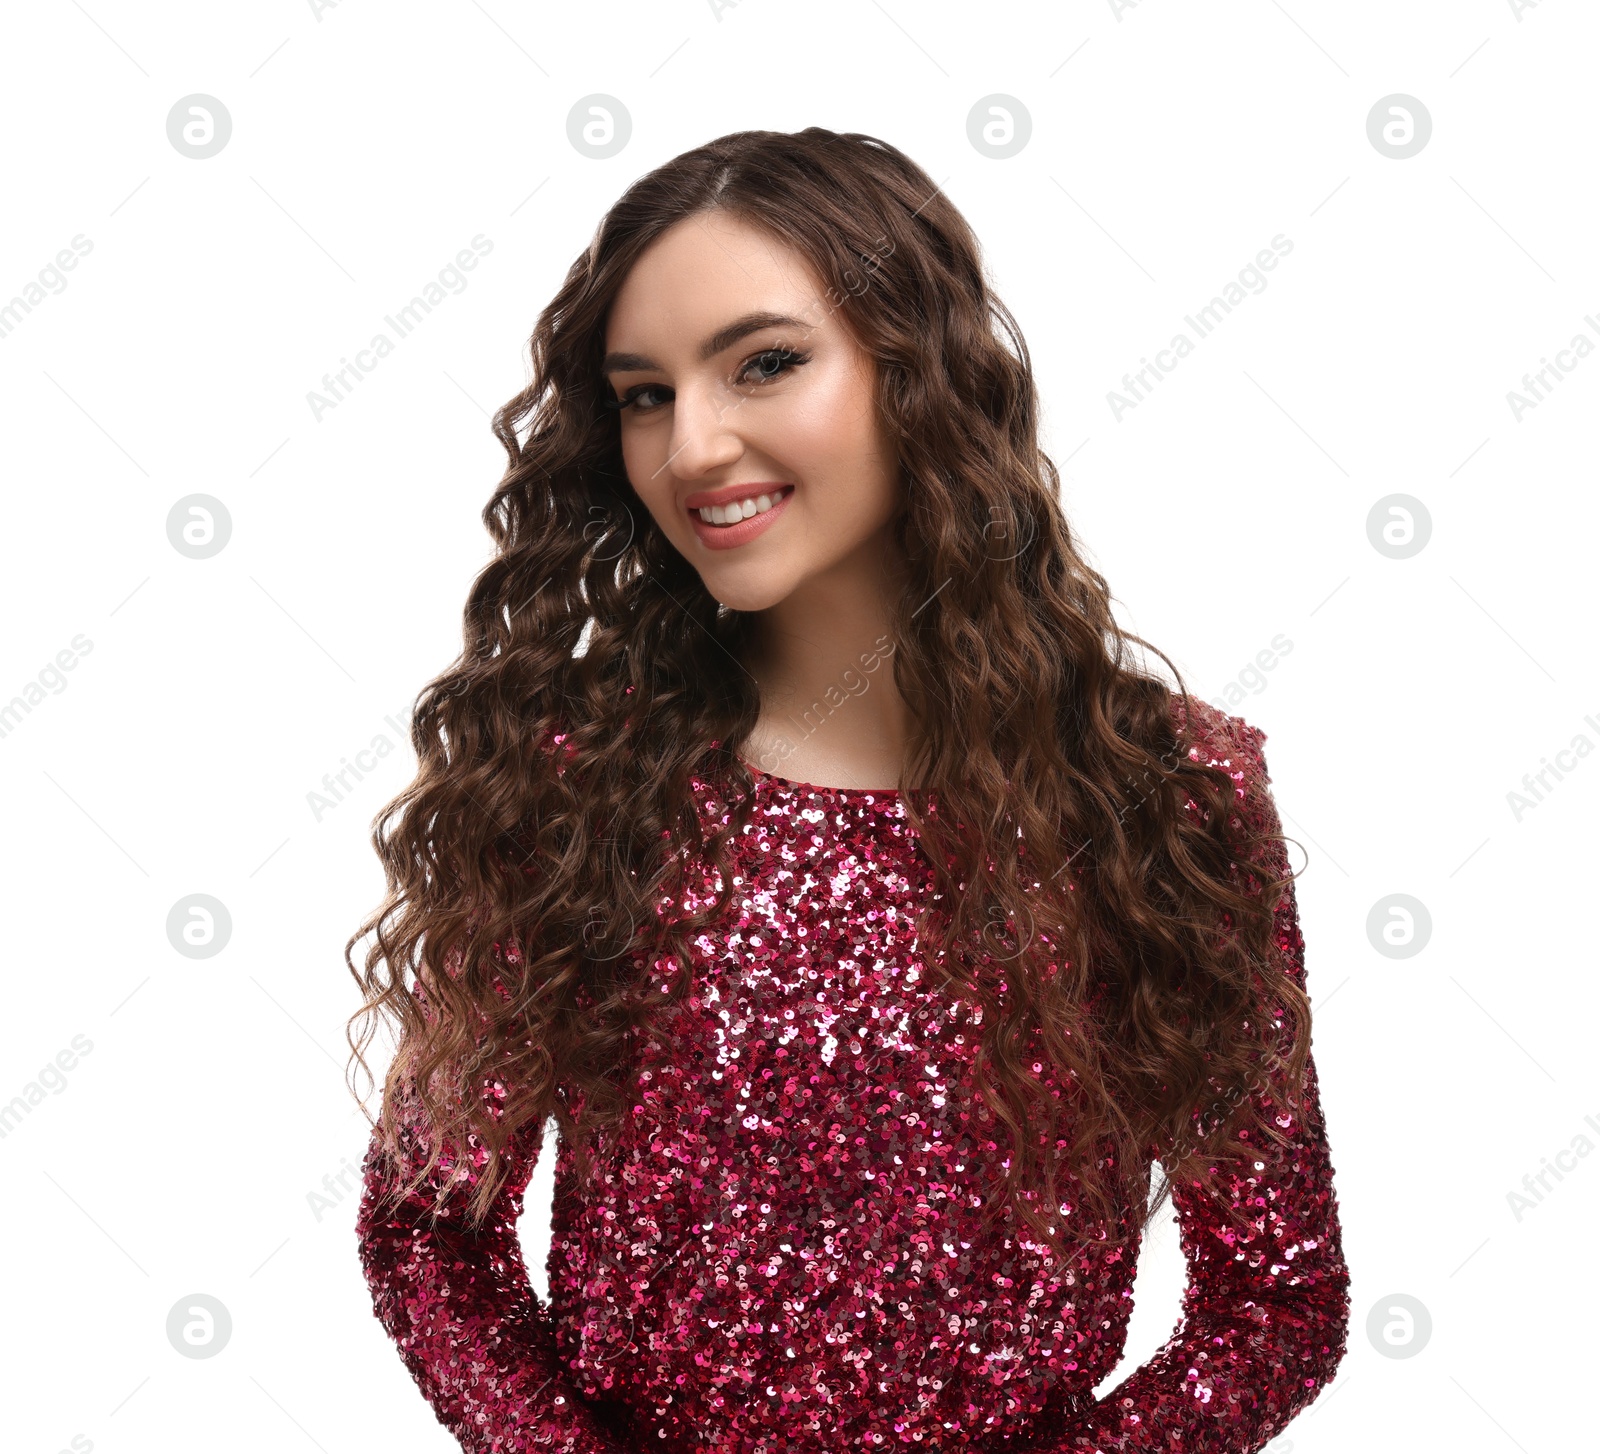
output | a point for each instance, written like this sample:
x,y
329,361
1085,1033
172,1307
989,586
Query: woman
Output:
x,y
857,1087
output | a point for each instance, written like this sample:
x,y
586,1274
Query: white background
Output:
x,y
1170,143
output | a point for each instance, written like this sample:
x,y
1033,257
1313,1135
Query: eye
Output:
x,y
769,364
772,363
631,398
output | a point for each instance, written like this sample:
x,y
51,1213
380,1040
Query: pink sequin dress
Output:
x,y
782,1254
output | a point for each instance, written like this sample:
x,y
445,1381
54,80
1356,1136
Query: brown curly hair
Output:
x,y
1110,899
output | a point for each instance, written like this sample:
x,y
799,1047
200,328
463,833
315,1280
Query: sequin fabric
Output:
x,y
782,1252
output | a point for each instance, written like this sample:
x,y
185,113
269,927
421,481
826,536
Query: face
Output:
x,y
741,383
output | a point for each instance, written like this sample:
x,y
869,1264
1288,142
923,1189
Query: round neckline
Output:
x,y
891,793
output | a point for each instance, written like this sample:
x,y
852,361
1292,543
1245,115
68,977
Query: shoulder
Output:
x,y
1218,739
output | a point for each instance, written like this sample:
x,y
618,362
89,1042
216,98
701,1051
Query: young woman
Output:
x,y
798,830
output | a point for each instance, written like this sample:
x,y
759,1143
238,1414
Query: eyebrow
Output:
x,y
725,337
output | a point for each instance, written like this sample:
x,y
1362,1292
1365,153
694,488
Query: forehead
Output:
x,y
700,273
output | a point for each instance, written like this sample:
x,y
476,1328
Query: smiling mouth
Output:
x,y
738,511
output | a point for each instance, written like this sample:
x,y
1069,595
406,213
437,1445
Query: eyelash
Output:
x,y
788,357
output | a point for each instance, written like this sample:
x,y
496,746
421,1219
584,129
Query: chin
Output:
x,y
746,596
749,601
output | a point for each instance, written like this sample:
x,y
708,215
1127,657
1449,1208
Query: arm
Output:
x,y
469,1327
1265,1313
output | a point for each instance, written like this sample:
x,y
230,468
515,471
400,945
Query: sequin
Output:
x,y
782,1252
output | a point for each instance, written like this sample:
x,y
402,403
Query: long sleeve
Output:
x,y
1266,1310
469,1326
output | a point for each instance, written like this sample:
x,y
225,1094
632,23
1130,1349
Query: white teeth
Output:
x,y
738,510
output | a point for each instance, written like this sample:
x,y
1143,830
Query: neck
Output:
x,y
823,661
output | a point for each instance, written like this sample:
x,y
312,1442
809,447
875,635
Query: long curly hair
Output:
x,y
1104,894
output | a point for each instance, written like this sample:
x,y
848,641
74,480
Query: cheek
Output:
x,y
832,430
652,484
633,461
838,446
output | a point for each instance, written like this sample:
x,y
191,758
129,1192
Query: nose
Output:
x,y
705,436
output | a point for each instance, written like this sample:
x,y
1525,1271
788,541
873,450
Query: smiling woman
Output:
x,y
858,1073
751,433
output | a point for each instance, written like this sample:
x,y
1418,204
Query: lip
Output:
x,y
729,537
727,494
